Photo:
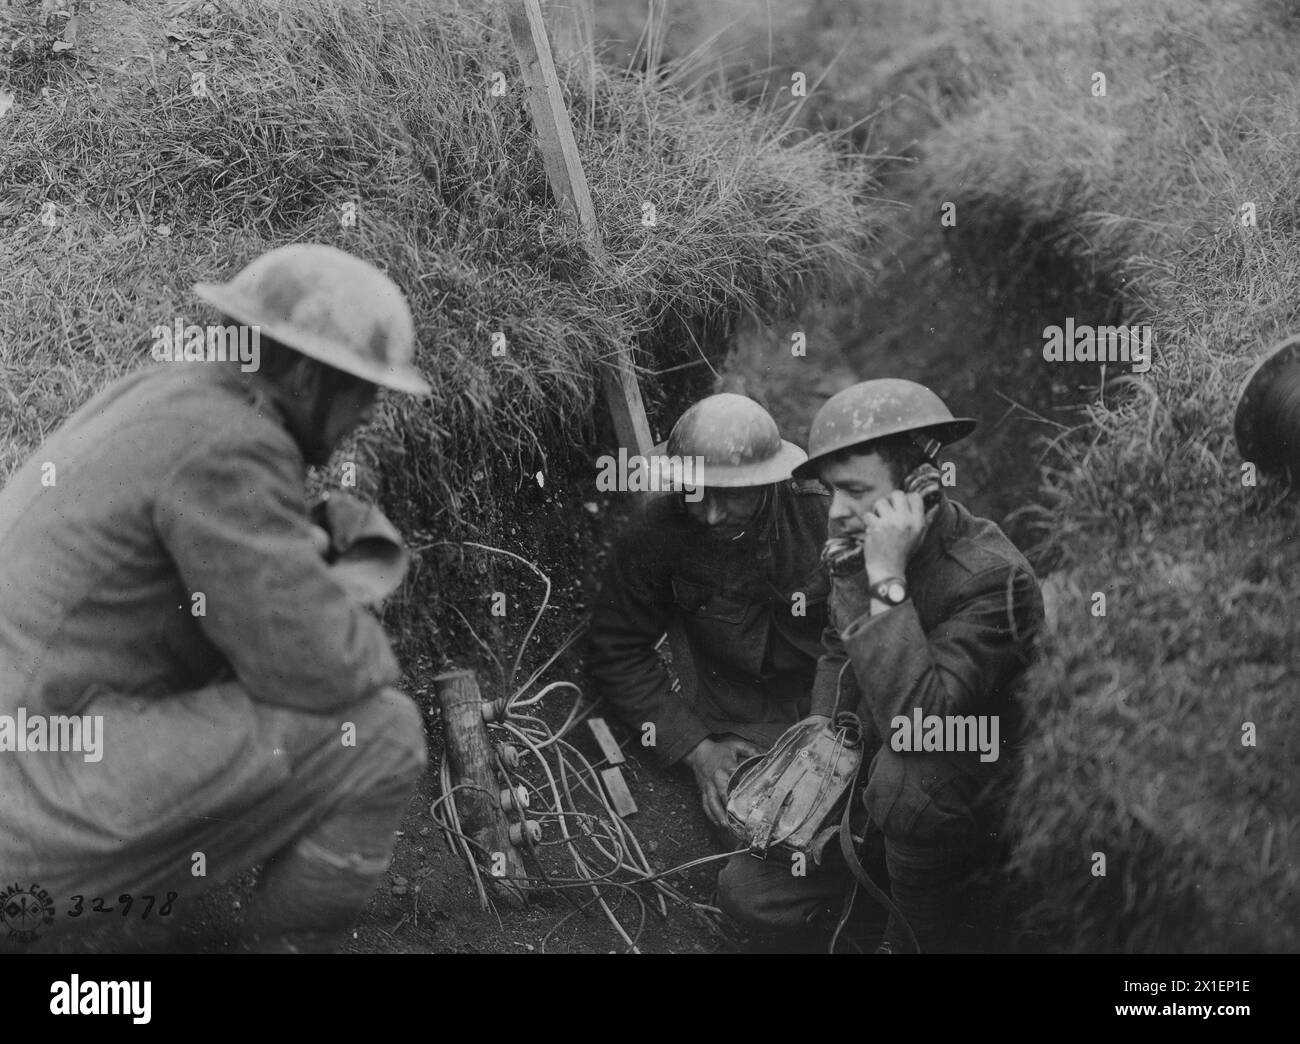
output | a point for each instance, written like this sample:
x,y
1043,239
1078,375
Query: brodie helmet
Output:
x,y
328,305
737,440
875,409
1266,423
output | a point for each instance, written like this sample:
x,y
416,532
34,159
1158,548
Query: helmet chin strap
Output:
x,y
927,444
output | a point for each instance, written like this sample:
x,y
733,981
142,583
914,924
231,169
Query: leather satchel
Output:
x,y
792,795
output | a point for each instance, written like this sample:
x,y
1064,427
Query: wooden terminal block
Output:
x,y
473,768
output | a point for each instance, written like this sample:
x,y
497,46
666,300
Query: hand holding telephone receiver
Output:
x,y
842,556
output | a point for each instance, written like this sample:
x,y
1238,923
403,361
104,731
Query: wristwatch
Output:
x,y
892,591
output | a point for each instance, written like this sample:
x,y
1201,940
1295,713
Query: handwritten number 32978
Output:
x,y
97,905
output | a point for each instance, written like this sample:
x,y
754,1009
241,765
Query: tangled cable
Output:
x,y
557,783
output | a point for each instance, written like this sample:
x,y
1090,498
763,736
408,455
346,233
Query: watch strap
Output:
x,y
880,590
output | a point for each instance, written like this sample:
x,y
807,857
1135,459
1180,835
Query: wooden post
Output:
x,y
470,754
569,183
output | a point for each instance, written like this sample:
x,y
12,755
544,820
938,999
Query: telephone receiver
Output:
x,y
843,555
925,480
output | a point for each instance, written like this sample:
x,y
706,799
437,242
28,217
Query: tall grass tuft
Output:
x,y
389,107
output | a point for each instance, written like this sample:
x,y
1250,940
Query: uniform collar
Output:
x,y
265,396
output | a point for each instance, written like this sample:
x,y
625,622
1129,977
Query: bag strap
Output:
x,y
862,877
839,687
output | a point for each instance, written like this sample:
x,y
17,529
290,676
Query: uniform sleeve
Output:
x,y
966,661
633,610
234,518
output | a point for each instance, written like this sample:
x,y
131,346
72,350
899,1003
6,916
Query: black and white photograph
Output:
x,y
680,478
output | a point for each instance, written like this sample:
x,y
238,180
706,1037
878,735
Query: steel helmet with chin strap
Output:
x,y
875,409
330,306
736,440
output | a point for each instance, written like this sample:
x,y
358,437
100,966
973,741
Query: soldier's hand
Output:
x,y
713,762
894,528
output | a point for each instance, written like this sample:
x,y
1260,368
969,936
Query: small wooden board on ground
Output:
x,y
619,796
605,740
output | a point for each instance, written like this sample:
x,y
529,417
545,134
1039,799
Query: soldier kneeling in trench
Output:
x,y
933,613
160,575
734,571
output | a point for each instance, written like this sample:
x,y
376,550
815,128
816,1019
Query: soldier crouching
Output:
x,y
732,567
159,571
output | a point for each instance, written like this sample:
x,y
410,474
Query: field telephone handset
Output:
x,y
842,556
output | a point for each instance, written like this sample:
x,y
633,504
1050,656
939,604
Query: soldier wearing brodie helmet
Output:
x,y
932,610
736,577
171,583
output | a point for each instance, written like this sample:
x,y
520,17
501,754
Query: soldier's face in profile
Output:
x,y
323,419
856,483
725,513
352,407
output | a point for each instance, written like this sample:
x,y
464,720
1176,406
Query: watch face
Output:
x,y
896,592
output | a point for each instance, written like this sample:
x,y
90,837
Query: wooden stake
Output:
x,y
623,395
569,183
470,755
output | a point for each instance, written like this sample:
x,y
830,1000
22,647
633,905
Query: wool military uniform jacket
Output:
x,y
753,611
956,646
170,547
